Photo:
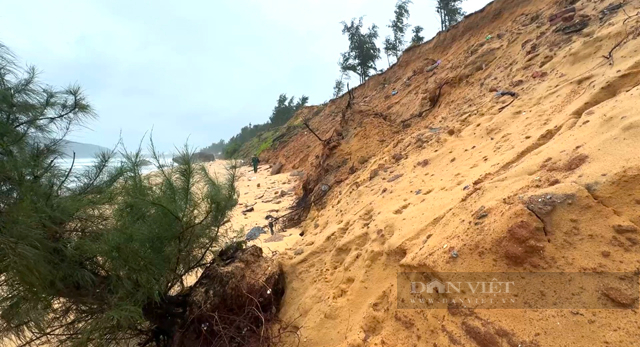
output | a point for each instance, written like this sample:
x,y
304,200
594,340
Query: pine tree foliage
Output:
x,y
395,45
389,48
363,51
338,88
286,108
82,253
417,38
449,12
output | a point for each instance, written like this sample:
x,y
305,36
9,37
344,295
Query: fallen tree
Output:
x,y
102,256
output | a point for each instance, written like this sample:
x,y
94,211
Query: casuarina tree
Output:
x,y
417,39
450,12
338,88
286,108
389,48
399,26
363,51
95,256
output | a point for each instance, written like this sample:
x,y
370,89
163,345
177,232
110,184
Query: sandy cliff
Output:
x,y
445,176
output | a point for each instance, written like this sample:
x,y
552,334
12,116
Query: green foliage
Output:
x,y
215,148
82,253
338,88
284,110
389,48
265,145
395,45
232,149
450,12
363,51
417,39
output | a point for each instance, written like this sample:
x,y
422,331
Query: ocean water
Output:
x,y
82,164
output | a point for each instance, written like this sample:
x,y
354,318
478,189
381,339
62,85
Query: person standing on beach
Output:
x,y
255,161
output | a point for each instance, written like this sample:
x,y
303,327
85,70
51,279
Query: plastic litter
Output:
x,y
434,66
254,233
454,254
394,92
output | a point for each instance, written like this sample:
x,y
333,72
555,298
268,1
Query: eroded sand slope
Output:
x,y
464,173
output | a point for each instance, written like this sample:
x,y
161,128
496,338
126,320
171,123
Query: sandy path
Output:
x,y
267,195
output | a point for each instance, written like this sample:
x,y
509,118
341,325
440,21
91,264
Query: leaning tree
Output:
x,y
101,255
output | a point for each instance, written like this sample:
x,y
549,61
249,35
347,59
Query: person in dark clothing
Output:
x,y
255,161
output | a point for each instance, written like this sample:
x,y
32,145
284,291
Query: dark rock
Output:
x,y
276,169
575,27
612,8
203,157
423,163
542,205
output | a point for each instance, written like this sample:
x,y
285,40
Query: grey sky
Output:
x,y
191,68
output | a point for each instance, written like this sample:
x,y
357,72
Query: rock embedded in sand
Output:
x,y
619,296
298,251
423,163
625,229
276,169
544,204
373,174
395,177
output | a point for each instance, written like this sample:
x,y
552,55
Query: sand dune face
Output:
x,y
470,182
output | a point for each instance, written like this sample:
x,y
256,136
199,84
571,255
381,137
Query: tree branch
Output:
x,y
313,132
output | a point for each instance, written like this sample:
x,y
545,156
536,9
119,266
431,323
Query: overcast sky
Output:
x,y
192,69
